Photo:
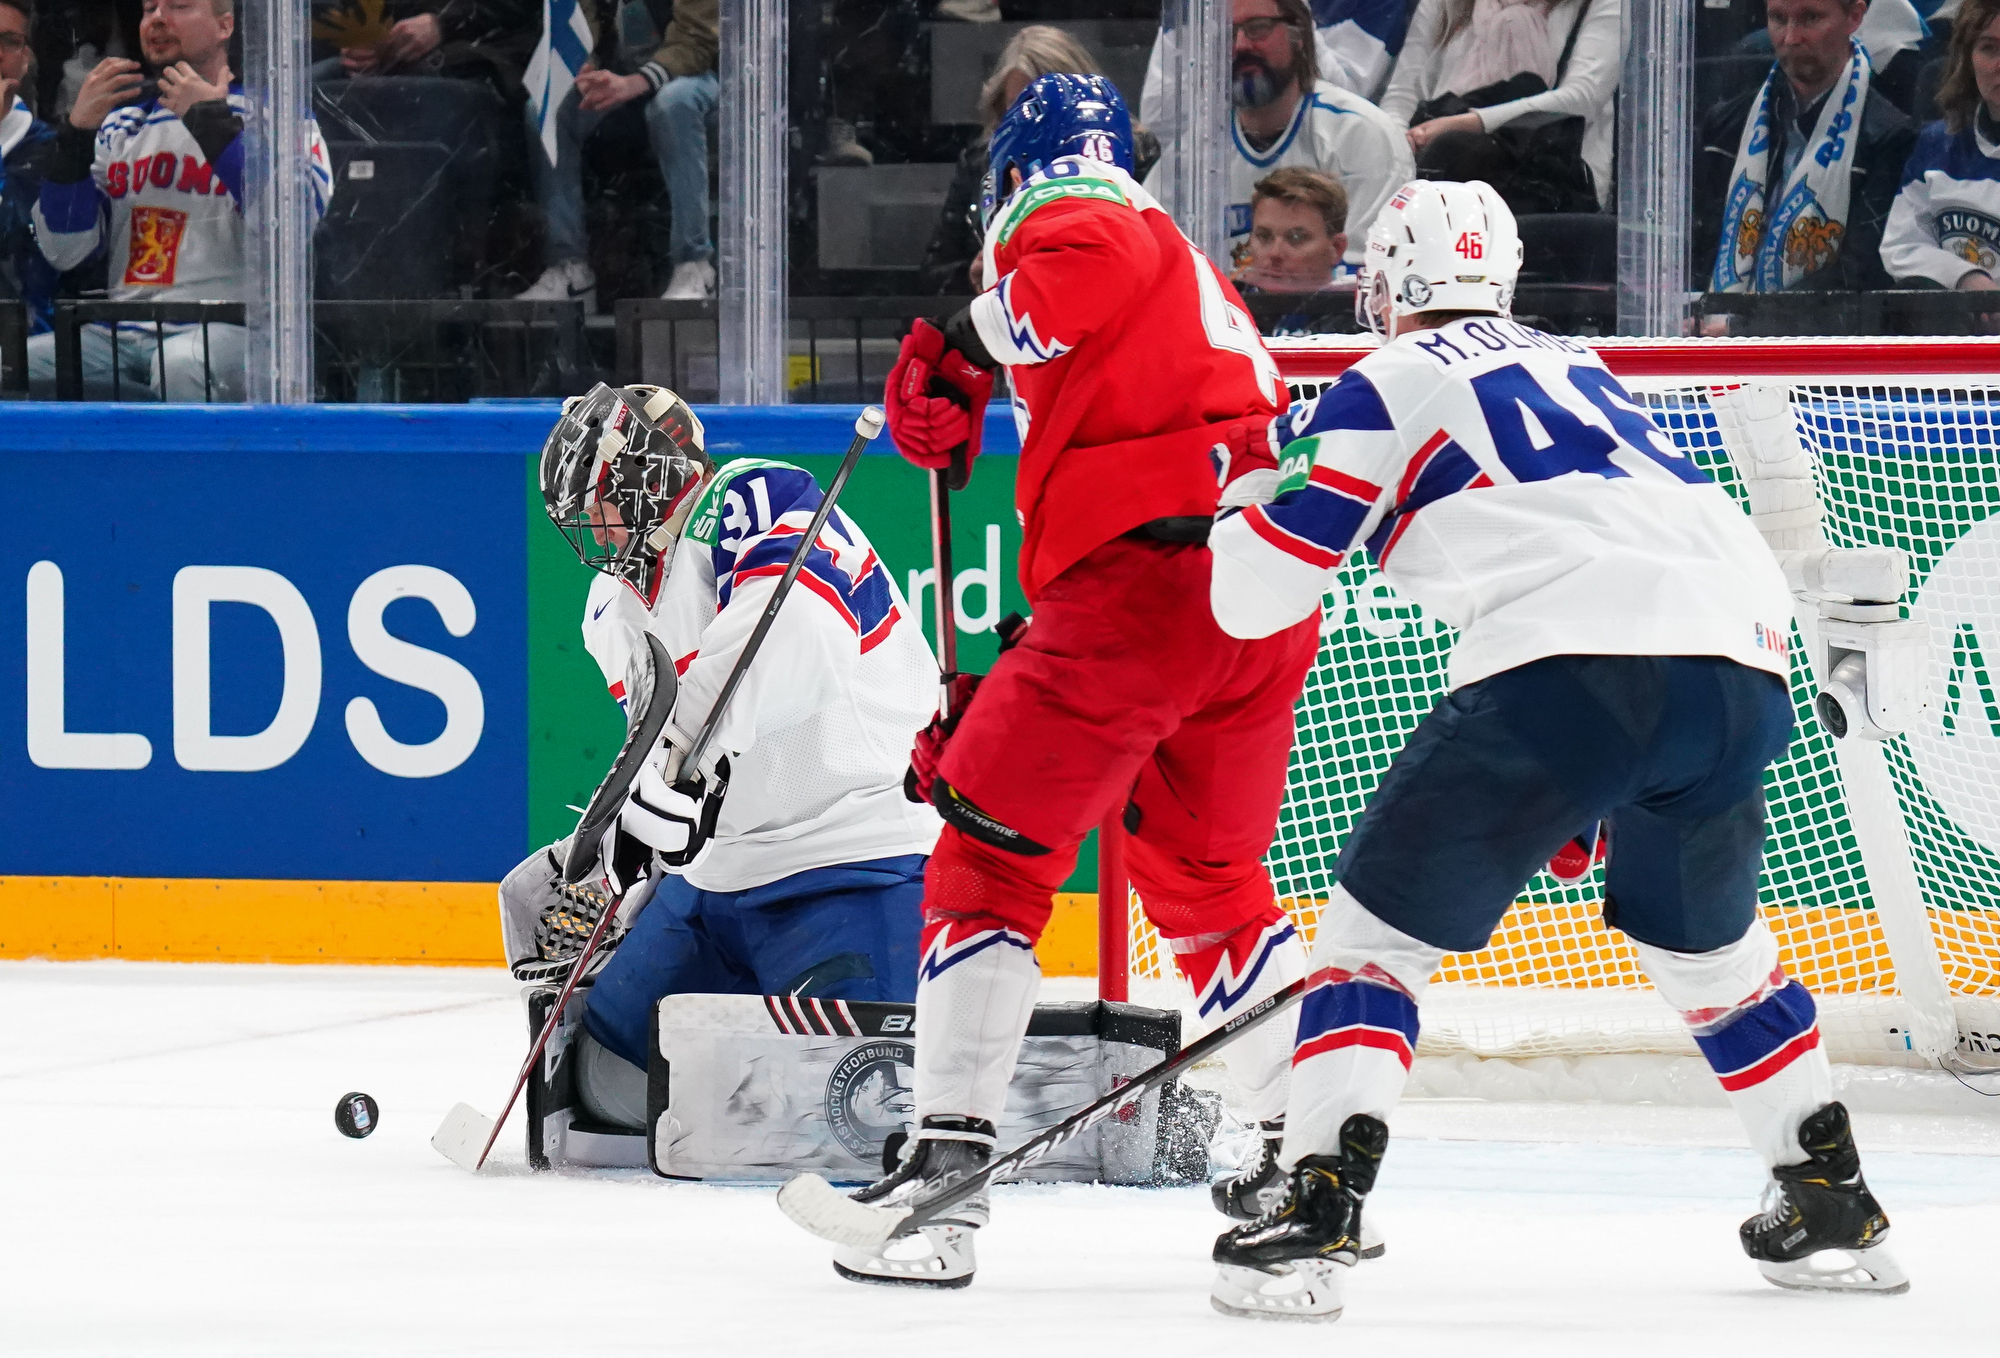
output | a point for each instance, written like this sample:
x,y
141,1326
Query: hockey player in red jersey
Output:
x,y
1141,390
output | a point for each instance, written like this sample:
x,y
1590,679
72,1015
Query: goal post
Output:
x,y
1873,470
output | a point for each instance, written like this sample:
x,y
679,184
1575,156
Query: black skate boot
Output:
x,y
1821,1229
1258,1185
1290,1263
938,1253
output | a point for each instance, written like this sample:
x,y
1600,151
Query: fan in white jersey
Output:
x,y
806,876
1285,115
157,187
1621,657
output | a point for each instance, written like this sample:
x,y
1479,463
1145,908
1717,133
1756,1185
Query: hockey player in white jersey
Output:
x,y
1622,656
806,876
158,186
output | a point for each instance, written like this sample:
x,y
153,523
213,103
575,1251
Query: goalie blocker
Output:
x,y
753,1088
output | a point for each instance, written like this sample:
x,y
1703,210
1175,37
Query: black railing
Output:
x,y
135,325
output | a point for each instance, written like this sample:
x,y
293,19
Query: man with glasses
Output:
x,y
1285,115
152,178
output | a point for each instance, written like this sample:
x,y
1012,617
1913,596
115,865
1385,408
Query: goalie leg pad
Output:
x,y
1759,1030
608,1087
1357,1028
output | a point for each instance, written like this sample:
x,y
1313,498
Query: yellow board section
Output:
x,y
160,919
436,924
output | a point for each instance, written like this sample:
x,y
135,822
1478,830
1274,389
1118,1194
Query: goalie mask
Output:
x,y
1439,246
620,472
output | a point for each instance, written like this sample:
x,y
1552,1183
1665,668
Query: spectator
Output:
x,y
1285,115
1474,71
1035,51
1358,41
166,172
24,274
458,39
1944,229
678,81
1794,179
1298,231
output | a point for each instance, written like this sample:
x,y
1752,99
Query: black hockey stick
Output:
x,y
465,1125
830,1214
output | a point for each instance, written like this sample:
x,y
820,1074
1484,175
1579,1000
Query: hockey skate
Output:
x,y
1258,1185
938,1253
1821,1230
1291,1263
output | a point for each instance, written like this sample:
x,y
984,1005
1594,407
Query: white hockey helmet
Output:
x,y
1438,245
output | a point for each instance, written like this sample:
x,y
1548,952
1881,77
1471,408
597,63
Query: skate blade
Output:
x,y
828,1213
1311,1290
1870,1270
462,1136
932,1256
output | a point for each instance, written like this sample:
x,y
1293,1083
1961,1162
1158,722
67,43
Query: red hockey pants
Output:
x,y
1124,692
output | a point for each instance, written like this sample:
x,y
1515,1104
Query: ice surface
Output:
x,y
175,1185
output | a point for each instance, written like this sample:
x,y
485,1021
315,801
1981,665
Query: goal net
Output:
x,y
1903,441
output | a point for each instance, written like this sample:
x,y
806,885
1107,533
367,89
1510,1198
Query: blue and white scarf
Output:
x,y
1768,250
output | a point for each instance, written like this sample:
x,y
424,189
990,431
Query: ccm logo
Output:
x,y
896,1023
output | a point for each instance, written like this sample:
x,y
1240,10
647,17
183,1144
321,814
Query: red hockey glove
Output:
x,y
929,749
1246,466
936,401
1574,860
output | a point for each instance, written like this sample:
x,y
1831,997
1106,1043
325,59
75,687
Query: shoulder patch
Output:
x,y
1040,195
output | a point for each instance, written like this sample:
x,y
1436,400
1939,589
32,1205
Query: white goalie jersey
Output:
x,y
1506,482
819,734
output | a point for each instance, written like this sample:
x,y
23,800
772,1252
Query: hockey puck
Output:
x,y
356,1115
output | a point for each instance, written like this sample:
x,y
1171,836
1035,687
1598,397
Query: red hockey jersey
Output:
x,y
1128,354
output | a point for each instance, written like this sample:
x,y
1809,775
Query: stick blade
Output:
x,y
828,1213
462,1136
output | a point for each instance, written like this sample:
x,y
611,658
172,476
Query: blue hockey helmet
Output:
x,y
1057,115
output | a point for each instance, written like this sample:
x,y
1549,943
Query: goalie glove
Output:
x,y
936,400
1246,468
675,819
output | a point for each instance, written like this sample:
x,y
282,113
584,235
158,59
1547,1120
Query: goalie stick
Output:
x,y
828,1213
464,1124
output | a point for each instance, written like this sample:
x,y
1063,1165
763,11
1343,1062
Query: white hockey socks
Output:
x,y
1357,1030
1759,1030
1229,972
976,989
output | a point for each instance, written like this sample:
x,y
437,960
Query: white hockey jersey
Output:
x,y
175,221
1946,221
1506,482
1332,130
819,734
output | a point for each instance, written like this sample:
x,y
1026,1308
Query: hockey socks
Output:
x,y
1357,1031
976,987
1228,973
1759,1030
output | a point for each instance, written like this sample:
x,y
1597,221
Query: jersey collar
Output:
x,y
1266,159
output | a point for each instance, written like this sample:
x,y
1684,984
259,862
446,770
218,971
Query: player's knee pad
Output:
x,y
1352,938
1198,896
969,882
961,814
608,1087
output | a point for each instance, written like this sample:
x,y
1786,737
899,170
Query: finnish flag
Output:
x,y
552,71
